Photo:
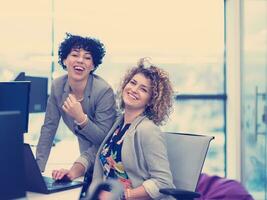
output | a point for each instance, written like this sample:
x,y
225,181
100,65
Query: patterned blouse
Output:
x,y
110,156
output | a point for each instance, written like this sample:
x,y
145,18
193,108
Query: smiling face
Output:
x,y
137,93
79,64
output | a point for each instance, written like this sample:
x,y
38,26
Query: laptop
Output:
x,y
35,182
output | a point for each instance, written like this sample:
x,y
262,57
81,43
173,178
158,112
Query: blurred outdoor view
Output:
x,y
186,38
254,101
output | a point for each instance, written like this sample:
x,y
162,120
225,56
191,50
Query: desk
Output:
x,y
72,194
61,156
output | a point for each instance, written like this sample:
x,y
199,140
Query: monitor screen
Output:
x,y
15,96
38,94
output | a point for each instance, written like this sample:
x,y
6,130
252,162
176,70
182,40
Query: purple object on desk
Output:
x,y
215,187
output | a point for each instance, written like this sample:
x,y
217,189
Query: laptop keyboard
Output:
x,y
51,183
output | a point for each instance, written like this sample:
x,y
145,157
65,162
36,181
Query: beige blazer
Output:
x,y
144,157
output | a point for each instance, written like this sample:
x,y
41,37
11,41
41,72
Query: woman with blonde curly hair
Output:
x,y
160,105
134,151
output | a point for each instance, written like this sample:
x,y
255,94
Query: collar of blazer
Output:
x,y
131,129
136,122
133,125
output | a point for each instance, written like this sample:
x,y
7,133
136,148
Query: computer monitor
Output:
x,y
38,94
15,96
12,184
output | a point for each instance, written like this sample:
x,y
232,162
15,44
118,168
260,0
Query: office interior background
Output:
x,y
214,50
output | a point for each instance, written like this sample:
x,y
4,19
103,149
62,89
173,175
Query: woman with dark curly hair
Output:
x,y
85,102
134,150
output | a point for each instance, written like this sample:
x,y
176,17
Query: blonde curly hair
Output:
x,y
160,104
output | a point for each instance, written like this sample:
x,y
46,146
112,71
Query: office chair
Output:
x,y
186,153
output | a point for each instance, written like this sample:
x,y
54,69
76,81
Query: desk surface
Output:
x,y
72,194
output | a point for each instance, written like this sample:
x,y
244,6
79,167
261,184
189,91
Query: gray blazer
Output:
x,y
99,104
144,157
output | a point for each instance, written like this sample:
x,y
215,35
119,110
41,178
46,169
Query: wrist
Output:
x,y
127,194
71,175
82,120
76,170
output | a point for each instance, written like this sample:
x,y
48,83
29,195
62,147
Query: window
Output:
x,y
184,37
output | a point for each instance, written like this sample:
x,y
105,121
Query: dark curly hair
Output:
x,y
160,104
94,46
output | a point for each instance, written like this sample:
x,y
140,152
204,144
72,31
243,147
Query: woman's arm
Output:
x,y
138,193
96,129
153,146
48,130
79,167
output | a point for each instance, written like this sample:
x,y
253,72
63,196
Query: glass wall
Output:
x,y
184,37
254,101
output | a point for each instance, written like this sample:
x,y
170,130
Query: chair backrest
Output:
x,y
186,153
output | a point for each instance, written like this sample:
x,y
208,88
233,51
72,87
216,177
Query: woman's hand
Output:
x,y
62,174
104,195
73,108
76,171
